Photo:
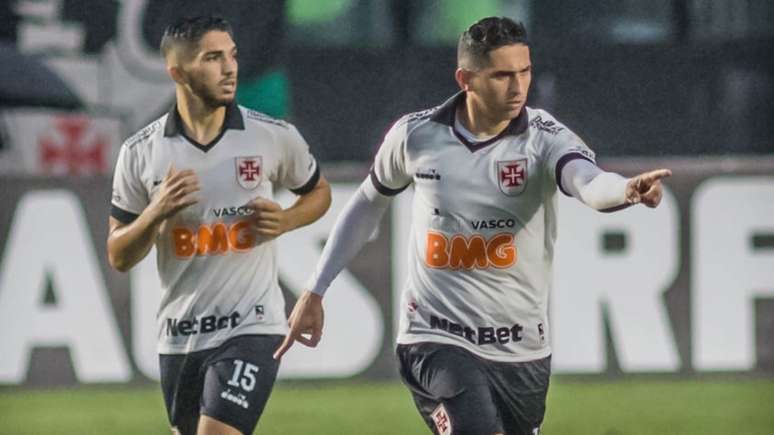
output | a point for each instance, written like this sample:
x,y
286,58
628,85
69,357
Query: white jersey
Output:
x,y
219,279
483,228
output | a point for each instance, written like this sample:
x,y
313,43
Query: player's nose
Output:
x,y
230,67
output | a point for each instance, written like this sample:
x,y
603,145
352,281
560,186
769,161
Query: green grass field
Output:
x,y
593,408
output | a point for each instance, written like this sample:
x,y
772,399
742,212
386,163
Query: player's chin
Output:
x,y
227,97
514,110
224,99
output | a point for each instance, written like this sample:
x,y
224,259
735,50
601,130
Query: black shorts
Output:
x,y
230,383
459,393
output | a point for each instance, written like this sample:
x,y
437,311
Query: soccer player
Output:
x,y
197,183
473,343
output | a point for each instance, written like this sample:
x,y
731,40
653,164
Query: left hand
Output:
x,y
269,219
646,188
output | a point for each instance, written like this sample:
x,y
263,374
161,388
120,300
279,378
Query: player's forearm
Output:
x,y
309,207
128,244
350,233
600,190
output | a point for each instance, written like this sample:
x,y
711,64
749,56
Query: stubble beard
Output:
x,y
209,97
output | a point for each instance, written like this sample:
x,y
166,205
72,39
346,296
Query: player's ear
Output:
x,y
176,73
463,77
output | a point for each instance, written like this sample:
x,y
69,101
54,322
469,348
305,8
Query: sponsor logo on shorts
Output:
x,y
200,325
238,398
479,335
441,420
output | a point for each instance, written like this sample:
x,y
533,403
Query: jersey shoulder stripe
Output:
x,y
544,122
262,117
145,133
412,121
415,117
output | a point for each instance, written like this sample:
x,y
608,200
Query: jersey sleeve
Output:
x,y
389,173
561,147
299,171
130,196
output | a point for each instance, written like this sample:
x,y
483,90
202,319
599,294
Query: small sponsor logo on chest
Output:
x,y
232,211
427,174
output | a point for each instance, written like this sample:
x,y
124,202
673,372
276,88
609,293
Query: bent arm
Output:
x,y
353,227
309,206
127,244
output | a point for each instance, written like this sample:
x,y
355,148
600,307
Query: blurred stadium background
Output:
x,y
663,320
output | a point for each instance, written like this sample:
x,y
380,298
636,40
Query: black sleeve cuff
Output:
x,y
381,188
125,217
564,160
309,185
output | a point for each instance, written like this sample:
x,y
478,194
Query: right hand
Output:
x,y
176,192
646,188
305,322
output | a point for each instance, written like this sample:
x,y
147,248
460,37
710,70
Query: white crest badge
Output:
x,y
249,171
442,421
512,176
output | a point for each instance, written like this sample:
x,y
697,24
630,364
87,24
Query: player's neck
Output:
x,y
477,122
201,123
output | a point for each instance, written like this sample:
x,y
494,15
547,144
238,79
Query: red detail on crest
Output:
x,y
74,154
249,170
441,420
512,175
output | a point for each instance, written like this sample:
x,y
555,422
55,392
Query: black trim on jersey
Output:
x,y
309,185
615,208
447,112
125,217
381,188
564,160
232,120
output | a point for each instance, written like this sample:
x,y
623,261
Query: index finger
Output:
x,y
658,174
170,171
286,344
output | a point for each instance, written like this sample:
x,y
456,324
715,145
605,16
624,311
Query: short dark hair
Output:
x,y
190,30
485,35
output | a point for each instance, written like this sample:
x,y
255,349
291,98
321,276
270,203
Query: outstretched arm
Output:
x,y
353,227
608,191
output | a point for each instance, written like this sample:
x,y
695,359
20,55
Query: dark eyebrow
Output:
x,y
207,53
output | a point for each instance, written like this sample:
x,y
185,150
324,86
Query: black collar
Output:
x,y
448,110
232,120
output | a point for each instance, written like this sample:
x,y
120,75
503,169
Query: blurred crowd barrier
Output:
x,y
635,77
682,290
